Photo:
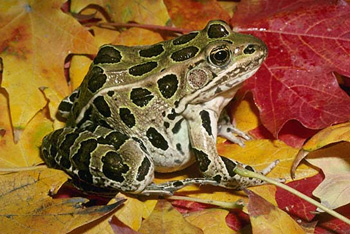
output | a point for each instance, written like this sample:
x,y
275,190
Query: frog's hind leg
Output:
x,y
104,158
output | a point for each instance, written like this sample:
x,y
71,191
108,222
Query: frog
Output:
x,y
142,110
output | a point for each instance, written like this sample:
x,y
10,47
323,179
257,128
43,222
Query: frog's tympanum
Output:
x,y
147,109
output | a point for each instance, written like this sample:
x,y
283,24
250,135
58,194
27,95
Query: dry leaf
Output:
x,y
36,38
266,218
210,221
31,210
335,163
165,219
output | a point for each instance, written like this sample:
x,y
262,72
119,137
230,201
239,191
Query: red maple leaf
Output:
x,y
308,41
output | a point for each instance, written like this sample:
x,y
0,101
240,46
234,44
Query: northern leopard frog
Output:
x,y
155,108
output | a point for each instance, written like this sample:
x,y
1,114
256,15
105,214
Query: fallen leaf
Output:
x,y
335,164
32,210
36,37
132,212
194,15
266,218
210,221
307,42
166,219
26,152
332,134
294,205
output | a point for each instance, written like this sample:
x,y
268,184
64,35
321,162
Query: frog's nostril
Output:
x,y
250,49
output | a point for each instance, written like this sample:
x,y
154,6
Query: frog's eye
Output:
x,y
219,56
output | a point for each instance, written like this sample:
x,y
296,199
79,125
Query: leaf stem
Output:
x,y
243,172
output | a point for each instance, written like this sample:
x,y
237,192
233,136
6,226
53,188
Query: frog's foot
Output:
x,y
168,188
227,131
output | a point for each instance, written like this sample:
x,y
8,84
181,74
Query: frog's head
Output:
x,y
225,61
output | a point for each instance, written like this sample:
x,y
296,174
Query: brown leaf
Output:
x,y
165,219
27,208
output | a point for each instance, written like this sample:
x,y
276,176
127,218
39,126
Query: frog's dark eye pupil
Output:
x,y
220,57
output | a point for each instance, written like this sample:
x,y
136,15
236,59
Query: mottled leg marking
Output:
x,y
213,166
104,158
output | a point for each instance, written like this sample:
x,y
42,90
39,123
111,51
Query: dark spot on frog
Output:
x,y
163,113
110,93
184,54
168,85
142,69
140,96
166,124
114,166
249,168
65,106
206,121
108,54
152,51
179,148
202,160
217,31
82,159
185,38
102,106
103,123
156,139
172,115
217,178
230,166
96,79
127,117
177,126
73,96
69,140
178,183
143,169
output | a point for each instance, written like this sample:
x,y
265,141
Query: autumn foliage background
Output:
x,y
297,108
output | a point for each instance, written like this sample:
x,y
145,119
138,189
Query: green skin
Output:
x,y
155,108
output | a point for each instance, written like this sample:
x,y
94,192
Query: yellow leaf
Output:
x,y
142,11
332,134
210,221
131,213
31,210
165,219
26,151
266,218
36,38
79,67
137,36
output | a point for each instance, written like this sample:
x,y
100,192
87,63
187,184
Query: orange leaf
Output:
x,y
165,219
210,221
36,38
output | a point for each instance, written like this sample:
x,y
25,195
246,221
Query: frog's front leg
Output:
x,y
203,132
227,130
